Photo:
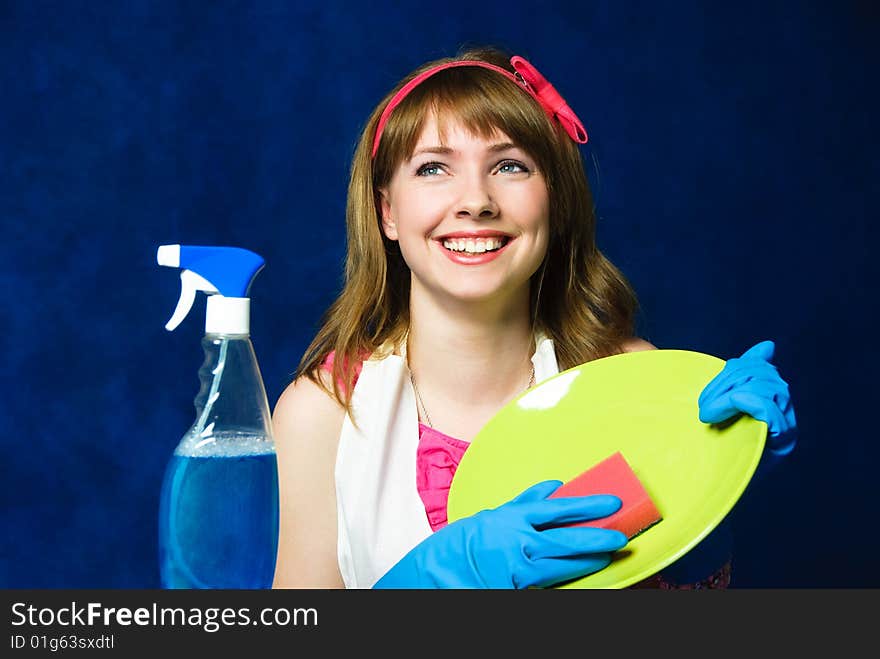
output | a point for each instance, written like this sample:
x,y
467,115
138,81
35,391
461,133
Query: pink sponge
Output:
x,y
613,475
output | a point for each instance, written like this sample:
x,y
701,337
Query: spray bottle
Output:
x,y
218,514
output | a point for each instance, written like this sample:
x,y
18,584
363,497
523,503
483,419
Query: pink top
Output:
x,y
437,459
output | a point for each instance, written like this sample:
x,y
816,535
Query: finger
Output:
x,y
762,409
757,378
565,541
537,492
551,571
737,371
565,510
718,408
763,350
755,402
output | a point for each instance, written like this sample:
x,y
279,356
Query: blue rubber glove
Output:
x,y
514,545
751,384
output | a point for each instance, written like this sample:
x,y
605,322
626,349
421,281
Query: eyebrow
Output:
x,y
445,150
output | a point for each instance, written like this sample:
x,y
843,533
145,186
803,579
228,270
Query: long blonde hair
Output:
x,y
578,298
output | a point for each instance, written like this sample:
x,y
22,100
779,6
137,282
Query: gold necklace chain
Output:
x,y
412,378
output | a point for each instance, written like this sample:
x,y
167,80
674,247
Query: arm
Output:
x,y
306,423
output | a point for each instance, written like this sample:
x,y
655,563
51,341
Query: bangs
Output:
x,y
482,101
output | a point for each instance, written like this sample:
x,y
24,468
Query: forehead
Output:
x,y
449,130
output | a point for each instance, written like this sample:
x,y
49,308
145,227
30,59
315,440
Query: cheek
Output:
x,y
533,202
537,210
417,214
541,227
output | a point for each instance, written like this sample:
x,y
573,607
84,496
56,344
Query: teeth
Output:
x,y
474,246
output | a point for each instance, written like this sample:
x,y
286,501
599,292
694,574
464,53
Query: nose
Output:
x,y
476,200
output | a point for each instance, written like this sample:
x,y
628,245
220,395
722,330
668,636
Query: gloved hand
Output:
x,y
514,545
751,384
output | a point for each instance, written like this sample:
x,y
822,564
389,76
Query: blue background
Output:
x,y
733,155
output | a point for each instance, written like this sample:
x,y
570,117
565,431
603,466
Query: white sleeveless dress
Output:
x,y
380,513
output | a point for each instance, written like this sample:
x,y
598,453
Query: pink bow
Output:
x,y
550,99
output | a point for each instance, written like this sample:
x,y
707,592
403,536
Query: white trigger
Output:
x,y
190,282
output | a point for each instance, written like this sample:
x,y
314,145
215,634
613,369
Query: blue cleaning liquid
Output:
x,y
219,515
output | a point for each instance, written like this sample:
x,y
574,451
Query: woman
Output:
x,y
472,273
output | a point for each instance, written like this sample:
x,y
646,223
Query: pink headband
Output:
x,y
527,77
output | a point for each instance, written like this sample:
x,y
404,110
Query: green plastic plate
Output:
x,y
643,404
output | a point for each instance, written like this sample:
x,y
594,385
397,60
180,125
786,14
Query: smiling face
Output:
x,y
470,214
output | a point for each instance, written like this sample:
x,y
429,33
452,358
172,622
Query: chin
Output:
x,y
477,294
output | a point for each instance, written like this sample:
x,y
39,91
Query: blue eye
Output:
x,y
512,167
429,169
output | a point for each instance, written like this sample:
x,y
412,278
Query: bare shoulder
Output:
x,y
306,424
304,401
635,344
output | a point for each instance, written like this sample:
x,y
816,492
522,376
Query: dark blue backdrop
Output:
x,y
735,181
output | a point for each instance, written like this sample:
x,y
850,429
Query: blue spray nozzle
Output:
x,y
230,269
227,271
